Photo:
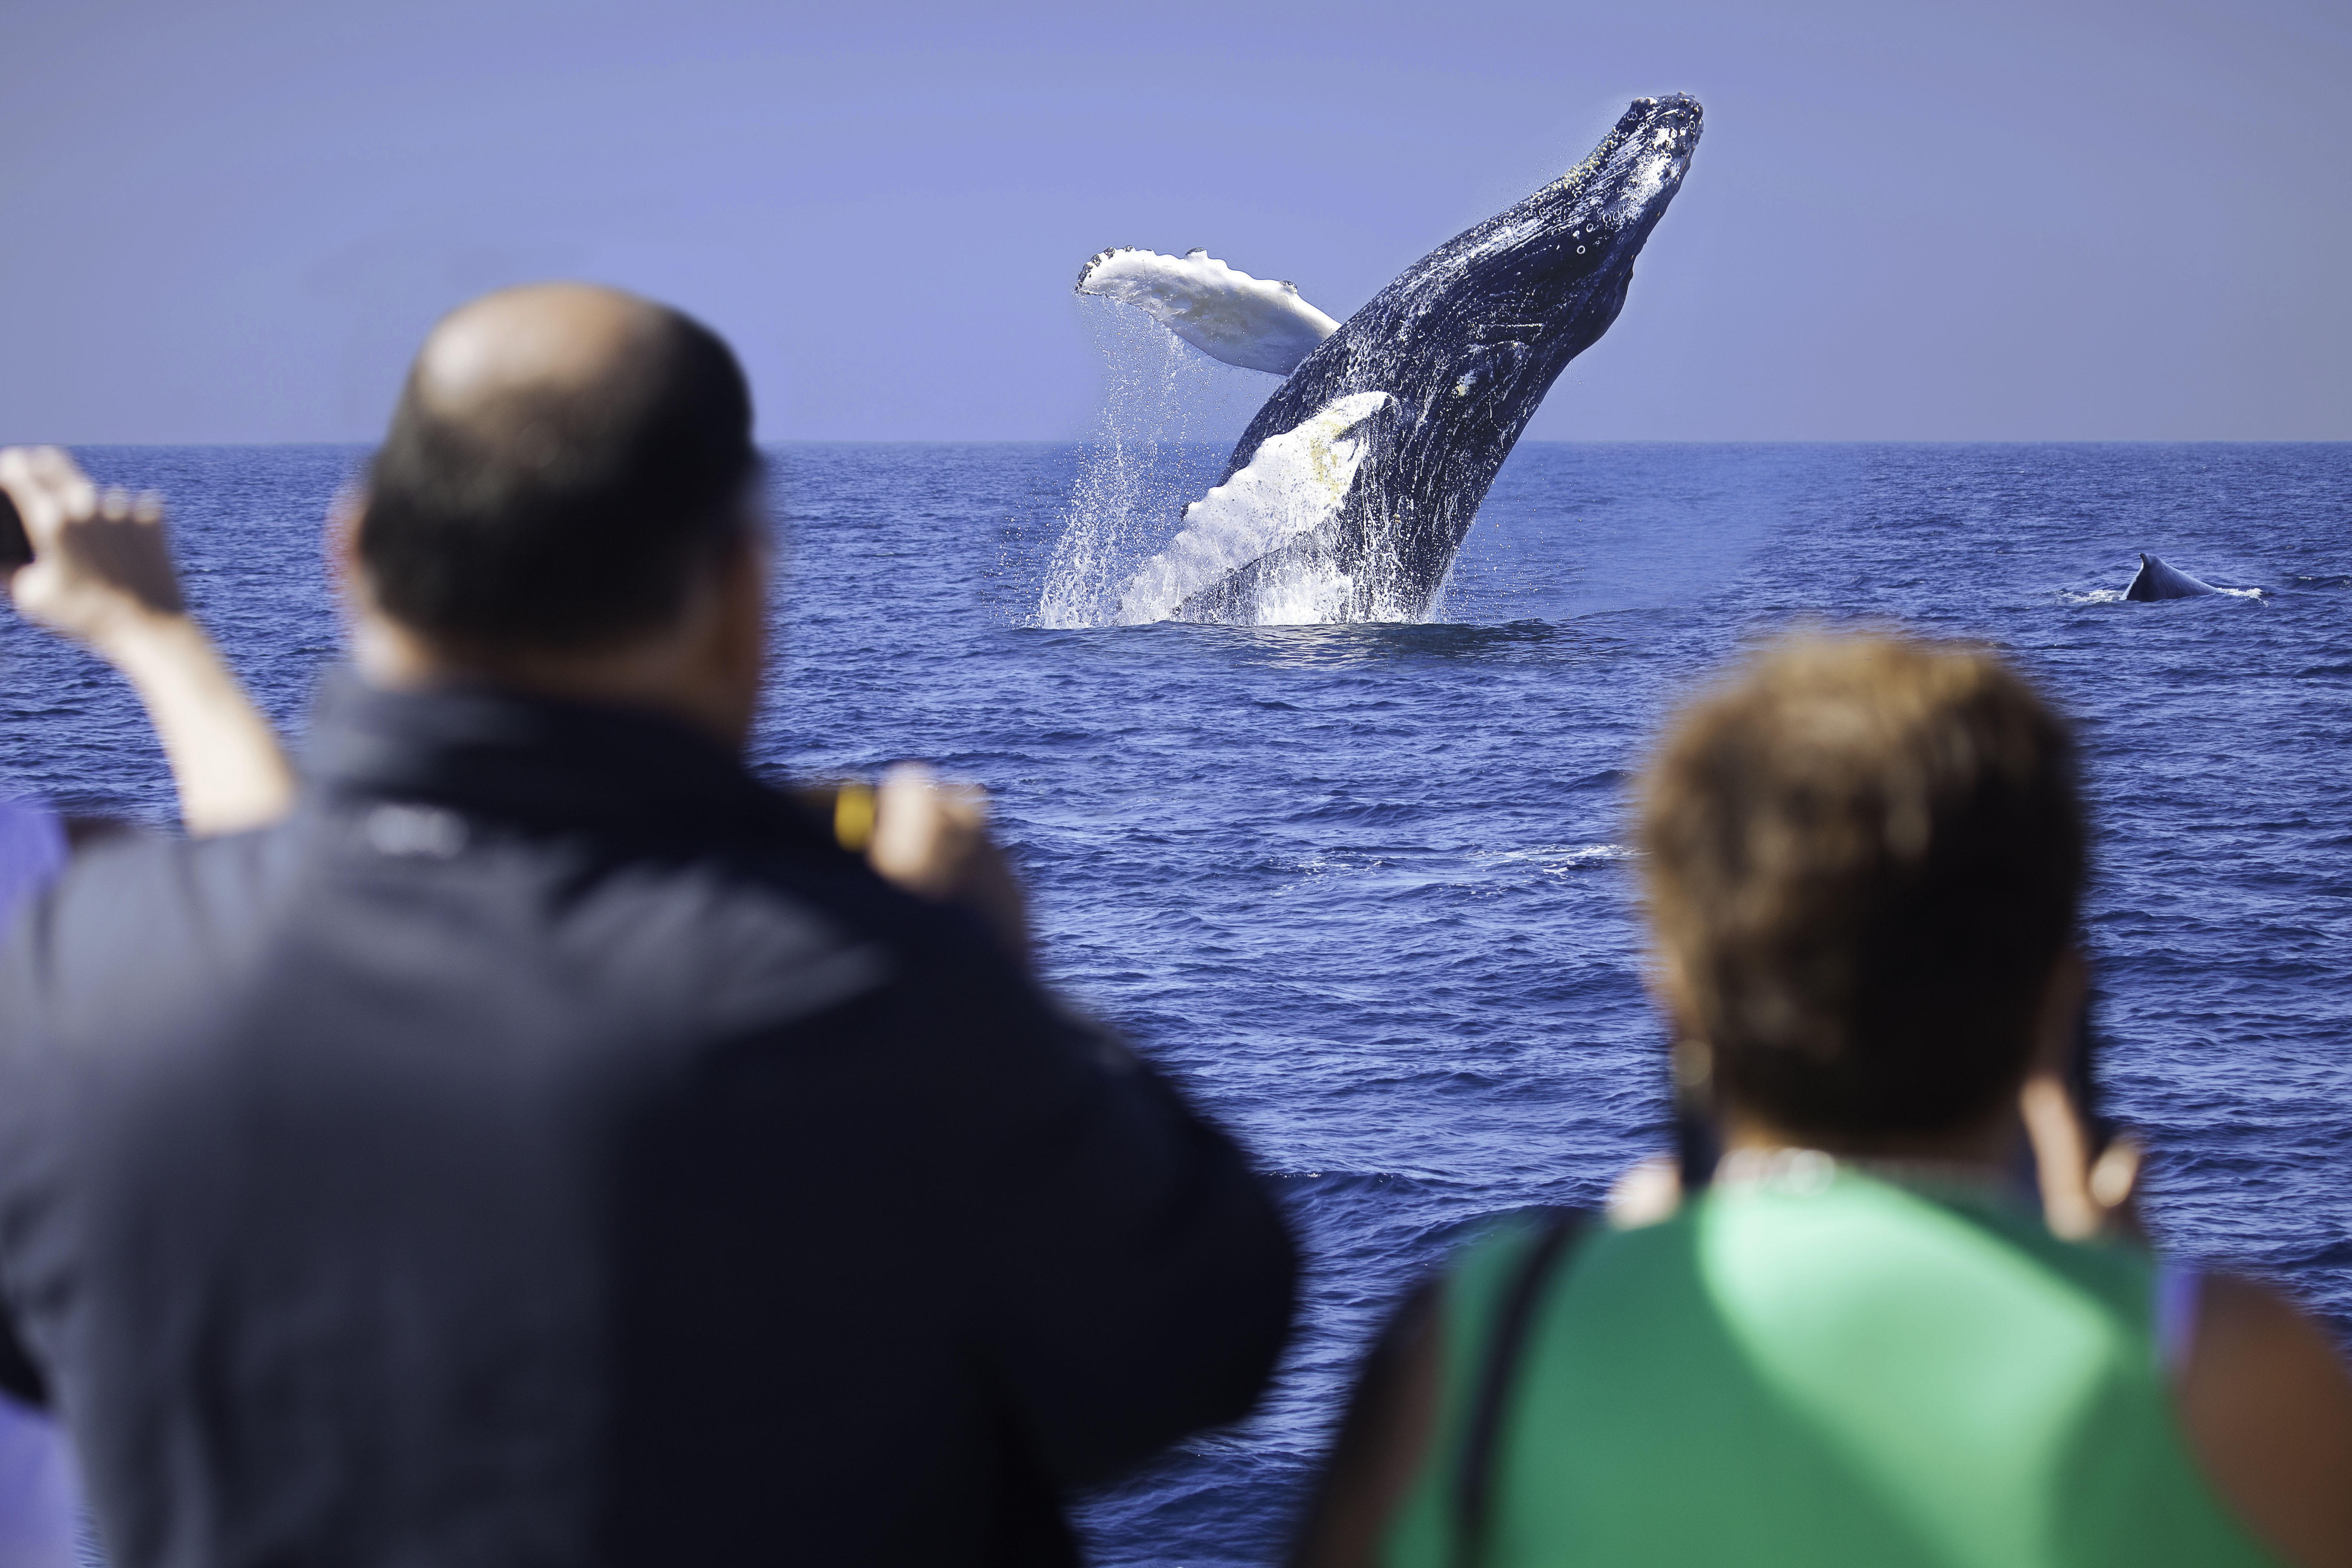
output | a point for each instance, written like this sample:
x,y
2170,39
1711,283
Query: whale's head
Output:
x,y
1544,278
1617,194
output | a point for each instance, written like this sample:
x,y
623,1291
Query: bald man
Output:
x,y
546,1145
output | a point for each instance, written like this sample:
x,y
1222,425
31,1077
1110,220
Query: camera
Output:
x,y
16,550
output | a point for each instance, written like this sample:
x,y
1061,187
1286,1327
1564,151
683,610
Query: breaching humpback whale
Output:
x,y
1347,497
2155,580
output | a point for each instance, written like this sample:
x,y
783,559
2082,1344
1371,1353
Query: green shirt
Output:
x,y
1839,1371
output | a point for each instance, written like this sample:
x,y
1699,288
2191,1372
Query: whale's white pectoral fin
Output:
x,y
1294,483
1254,322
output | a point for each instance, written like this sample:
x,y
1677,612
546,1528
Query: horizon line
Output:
x,y
1531,441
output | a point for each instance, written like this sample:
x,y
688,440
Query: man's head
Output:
x,y
569,476
1864,859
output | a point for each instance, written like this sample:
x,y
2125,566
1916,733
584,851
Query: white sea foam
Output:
x,y
2117,595
1169,414
1294,483
1559,859
1254,322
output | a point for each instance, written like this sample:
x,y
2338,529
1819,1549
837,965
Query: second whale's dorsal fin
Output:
x,y
2159,580
1254,322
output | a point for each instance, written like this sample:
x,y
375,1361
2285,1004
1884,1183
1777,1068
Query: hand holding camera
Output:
x,y
16,550
96,566
93,566
932,838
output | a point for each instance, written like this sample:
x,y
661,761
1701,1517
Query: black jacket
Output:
x,y
547,1148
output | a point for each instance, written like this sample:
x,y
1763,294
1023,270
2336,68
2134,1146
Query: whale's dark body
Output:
x,y
1465,343
2155,580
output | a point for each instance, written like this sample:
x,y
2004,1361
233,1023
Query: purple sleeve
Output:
x,y
39,1495
32,852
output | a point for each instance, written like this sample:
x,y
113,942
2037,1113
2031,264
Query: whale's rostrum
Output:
x,y
1362,501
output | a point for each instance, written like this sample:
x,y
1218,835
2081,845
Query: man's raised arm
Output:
x,y
102,574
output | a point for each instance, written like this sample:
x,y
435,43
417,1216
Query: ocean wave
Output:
x,y
1424,868
1559,859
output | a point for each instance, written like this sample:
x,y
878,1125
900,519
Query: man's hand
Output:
x,y
101,570
932,838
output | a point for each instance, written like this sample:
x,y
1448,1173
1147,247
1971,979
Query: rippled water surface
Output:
x,y
1366,888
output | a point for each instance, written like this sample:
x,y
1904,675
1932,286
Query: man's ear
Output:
x,y
739,580
383,651
341,540
735,643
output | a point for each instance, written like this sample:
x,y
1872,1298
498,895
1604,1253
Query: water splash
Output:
x,y
1295,482
1169,415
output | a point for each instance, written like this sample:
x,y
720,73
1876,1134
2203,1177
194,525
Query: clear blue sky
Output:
x,y
1982,220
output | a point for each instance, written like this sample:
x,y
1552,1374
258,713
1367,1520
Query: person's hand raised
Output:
x,y
932,838
2086,1191
102,574
102,568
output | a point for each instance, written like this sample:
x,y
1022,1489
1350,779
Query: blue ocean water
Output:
x,y
1367,890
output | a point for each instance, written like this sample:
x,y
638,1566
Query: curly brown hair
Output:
x,y
1865,855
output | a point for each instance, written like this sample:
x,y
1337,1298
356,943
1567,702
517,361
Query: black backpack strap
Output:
x,y
1474,1483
